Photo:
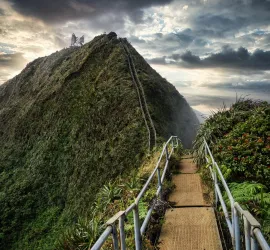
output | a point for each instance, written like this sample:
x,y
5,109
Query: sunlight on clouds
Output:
x,y
25,35
198,77
204,109
185,7
206,85
163,30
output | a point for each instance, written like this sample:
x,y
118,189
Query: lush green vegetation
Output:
x,y
61,145
70,123
117,196
239,138
170,112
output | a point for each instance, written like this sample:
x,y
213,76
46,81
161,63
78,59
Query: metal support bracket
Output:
x,y
113,219
252,221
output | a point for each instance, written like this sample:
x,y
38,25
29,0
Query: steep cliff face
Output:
x,y
70,122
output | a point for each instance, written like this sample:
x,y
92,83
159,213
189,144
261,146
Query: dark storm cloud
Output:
x,y
169,43
227,58
213,25
189,58
181,38
52,11
12,61
185,36
223,19
261,4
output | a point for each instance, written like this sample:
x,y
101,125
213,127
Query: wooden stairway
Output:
x,y
191,223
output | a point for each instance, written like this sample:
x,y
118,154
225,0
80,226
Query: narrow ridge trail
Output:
x,y
191,223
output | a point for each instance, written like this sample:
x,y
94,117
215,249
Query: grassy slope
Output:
x,y
69,123
170,111
67,143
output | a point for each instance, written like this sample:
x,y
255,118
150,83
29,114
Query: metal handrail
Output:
x,y
139,230
252,228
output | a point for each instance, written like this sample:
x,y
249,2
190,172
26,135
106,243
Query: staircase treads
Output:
x,y
190,229
187,166
188,191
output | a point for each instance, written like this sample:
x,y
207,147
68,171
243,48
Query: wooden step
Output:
x,y
191,224
188,191
190,229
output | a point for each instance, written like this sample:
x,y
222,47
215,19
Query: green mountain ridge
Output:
x,y
70,122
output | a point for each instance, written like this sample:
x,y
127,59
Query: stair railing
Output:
x,y
119,218
252,228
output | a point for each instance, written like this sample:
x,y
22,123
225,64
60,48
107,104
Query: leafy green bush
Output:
x,y
239,138
222,122
115,197
245,150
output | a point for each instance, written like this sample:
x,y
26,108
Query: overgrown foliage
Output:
x,y
256,198
71,123
116,196
239,138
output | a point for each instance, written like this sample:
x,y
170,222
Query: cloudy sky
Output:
x,y
211,50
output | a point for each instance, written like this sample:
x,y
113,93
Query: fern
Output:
x,y
110,192
246,192
253,196
84,234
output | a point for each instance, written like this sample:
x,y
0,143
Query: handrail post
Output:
x,y
137,227
122,232
236,229
215,183
233,225
247,229
254,245
159,182
167,153
115,237
172,142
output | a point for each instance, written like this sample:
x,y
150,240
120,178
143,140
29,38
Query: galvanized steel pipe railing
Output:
x,y
139,230
253,236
